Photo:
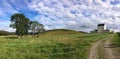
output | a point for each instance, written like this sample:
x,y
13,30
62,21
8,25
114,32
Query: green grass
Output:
x,y
116,39
60,32
68,46
116,45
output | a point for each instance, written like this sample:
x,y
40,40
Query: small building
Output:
x,y
100,28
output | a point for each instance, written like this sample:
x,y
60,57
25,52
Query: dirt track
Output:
x,y
102,49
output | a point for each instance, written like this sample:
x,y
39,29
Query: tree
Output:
x,y
26,25
33,25
36,27
20,23
40,28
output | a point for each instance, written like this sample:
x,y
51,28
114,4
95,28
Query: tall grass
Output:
x,y
116,39
74,46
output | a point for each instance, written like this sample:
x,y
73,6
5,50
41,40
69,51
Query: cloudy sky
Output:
x,y
80,15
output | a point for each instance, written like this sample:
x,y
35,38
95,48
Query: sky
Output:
x,y
79,15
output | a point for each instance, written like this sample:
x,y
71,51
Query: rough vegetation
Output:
x,y
116,40
57,46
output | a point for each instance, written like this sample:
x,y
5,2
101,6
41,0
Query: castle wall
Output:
x,y
100,29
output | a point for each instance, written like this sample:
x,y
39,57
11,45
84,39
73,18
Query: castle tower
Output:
x,y
100,28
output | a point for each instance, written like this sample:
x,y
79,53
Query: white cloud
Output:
x,y
4,25
7,7
83,14
4,22
7,28
71,23
72,14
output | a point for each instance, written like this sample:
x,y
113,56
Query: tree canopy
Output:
x,y
23,25
36,27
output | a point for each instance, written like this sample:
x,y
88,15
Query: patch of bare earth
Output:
x,y
102,49
116,52
108,49
93,54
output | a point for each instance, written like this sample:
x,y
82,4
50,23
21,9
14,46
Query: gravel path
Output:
x,y
94,51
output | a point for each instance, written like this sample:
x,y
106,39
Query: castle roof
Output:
x,y
101,24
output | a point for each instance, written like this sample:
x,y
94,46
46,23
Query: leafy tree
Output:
x,y
26,25
20,23
33,25
36,27
40,28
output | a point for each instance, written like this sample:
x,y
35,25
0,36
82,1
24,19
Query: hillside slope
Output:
x,y
60,32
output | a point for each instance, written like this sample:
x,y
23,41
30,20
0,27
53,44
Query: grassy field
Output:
x,y
51,45
116,45
116,39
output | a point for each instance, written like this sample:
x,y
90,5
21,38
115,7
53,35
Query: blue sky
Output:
x,y
80,15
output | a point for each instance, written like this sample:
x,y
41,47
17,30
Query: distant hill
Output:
x,y
4,32
60,32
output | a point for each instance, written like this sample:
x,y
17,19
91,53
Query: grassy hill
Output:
x,y
60,32
59,44
4,32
